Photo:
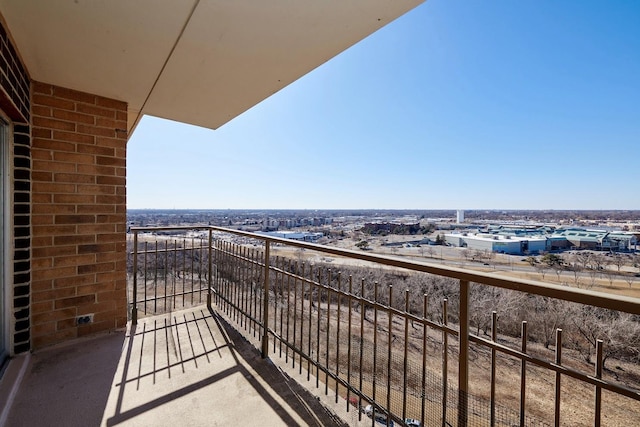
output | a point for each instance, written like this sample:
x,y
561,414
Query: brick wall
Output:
x,y
15,103
78,213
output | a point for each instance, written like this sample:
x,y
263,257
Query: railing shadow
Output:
x,y
190,353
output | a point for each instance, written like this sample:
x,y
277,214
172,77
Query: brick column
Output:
x,y
78,213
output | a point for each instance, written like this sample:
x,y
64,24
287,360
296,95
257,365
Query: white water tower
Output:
x,y
459,216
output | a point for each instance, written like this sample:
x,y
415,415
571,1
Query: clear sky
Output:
x,y
501,104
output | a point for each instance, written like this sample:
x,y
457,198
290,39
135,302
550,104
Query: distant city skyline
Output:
x,y
500,105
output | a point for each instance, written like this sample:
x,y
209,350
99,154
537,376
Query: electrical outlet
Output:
x,y
84,319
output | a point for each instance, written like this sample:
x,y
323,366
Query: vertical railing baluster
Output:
x,y
405,354
184,268
210,274
445,363
302,286
598,390
425,333
166,272
146,250
328,336
280,298
134,297
175,273
463,357
286,358
350,299
309,348
155,278
389,342
295,314
265,301
318,301
494,335
338,333
362,316
375,339
523,374
558,377
254,290
243,288
192,251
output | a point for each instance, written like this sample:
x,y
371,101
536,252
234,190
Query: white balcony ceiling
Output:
x,y
199,62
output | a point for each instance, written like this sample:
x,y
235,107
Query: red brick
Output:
x,y
75,301
53,124
42,165
66,323
96,111
98,249
47,144
38,242
53,251
73,137
75,219
43,328
53,294
73,198
95,228
96,149
52,187
41,219
74,117
74,177
109,276
110,161
111,103
56,272
39,110
52,210
41,198
95,209
73,260
37,155
41,176
73,281
73,157
94,130
76,239
41,133
42,88
115,200
73,95
111,142
40,287
98,307
41,263
51,101
96,170
95,189
93,288
111,180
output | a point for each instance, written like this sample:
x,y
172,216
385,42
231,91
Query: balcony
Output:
x,y
236,327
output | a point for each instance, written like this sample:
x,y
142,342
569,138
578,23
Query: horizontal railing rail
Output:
x,y
389,353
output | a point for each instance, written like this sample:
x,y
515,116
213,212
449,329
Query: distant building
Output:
x,y
460,216
498,243
305,237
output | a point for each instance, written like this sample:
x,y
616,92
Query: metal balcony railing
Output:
x,y
337,316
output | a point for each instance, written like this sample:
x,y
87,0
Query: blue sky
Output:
x,y
458,104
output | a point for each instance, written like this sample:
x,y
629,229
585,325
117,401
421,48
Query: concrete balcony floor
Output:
x,y
186,368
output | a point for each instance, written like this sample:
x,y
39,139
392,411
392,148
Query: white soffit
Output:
x,y
201,62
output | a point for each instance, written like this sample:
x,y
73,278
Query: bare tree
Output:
x,y
618,260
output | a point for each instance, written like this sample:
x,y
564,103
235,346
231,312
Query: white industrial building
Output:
x,y
498,243
304,236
